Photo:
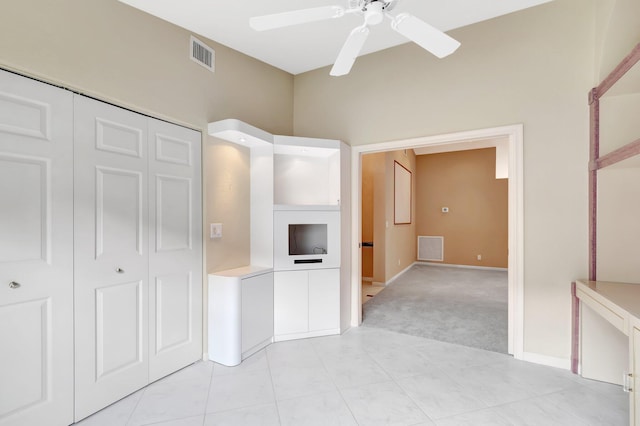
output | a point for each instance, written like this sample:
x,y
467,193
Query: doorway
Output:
x,y
514,135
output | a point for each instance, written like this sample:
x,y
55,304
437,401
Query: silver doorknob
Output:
x,y
14,284
120,270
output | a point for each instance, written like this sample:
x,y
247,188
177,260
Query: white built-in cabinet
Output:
x,y
100,252
307,191
294,180
307,303
240,300
240,313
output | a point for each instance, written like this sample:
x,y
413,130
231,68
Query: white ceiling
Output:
x,y
314,45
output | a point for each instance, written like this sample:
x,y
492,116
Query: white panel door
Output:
x,y
290,302
324,299
175,248
111,254
36,257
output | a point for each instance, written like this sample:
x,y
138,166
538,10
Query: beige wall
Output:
x,y
618,191
400,240
374,178
227,194
533,67
394,246
111,51
477,222
617,32
379,218
367,195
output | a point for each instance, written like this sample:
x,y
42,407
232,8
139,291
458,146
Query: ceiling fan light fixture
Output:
x,y
373,14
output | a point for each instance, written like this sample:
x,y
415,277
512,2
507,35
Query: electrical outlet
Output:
x,y
479,257
398,262
216,230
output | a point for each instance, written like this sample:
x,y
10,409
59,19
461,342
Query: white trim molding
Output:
x,y
396,276
550,361
450,265
514,133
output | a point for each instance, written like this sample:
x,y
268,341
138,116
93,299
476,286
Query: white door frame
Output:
x,y
516,219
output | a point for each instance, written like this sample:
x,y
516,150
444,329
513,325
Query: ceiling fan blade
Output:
x,y
350,51
424,35
295,17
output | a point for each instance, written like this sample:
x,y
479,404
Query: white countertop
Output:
x,y
243,271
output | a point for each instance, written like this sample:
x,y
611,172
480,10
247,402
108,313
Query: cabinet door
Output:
x,y
291,302
324,299
257,310
175,248
36,253
111,254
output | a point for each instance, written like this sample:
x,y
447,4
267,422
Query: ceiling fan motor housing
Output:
x,y
373,12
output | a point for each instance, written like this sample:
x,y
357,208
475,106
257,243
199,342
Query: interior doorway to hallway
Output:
x,y
513,160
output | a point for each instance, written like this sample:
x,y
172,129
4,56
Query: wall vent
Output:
x,y
431,248
202,54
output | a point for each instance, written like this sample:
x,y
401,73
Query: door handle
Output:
x,y
120,270
14,285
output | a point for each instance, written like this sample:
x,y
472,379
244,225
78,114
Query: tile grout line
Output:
x,y
206,404
334,384
143,390
273,388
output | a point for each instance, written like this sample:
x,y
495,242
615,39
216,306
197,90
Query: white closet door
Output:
x,y
175,248
36,257
111,254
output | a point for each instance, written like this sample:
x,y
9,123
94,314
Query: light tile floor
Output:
x,y
370,377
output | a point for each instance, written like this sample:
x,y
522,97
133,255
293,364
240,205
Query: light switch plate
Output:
x,y
216,230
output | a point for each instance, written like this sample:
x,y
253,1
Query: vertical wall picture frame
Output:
x,y
401,194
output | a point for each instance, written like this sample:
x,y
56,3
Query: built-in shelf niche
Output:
x,y
260,144
306,172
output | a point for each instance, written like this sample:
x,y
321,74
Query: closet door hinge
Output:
x,y
627,380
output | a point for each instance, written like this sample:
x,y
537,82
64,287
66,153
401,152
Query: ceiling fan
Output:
x,y
374,11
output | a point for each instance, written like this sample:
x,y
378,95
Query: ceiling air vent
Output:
x,y
202,54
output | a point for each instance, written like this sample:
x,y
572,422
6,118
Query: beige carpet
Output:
x,y
456,305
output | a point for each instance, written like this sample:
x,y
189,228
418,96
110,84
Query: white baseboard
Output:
x,y
563,363
486,268
396,276
367,279
296,336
